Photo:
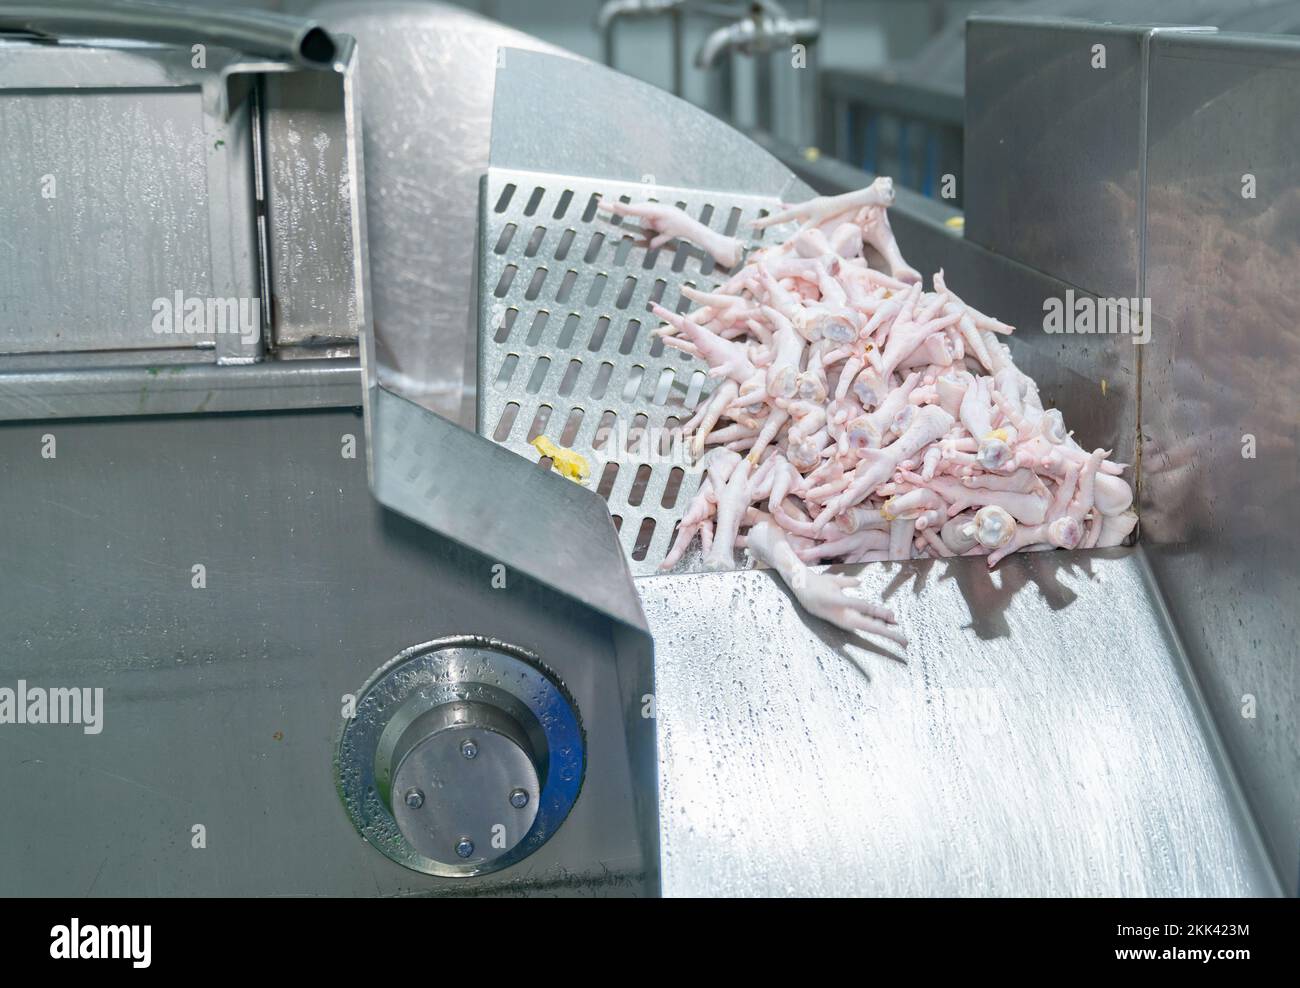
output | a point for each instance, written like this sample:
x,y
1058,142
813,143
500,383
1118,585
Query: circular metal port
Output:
x,y
464,756
470,757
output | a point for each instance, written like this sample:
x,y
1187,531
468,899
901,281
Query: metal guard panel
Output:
x,y
487,498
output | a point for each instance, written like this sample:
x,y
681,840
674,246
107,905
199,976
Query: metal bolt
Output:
x,y
464,847
414,798
518,798
469,749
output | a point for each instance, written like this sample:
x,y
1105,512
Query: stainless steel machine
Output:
x,y
349,646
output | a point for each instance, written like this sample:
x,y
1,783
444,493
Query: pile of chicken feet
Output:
x,y
857,417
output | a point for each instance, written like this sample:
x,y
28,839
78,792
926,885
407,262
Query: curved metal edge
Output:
x,y
560,115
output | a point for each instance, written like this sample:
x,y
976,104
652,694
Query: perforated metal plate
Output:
x,y
566,338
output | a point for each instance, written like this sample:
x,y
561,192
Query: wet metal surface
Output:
x,y
1177,167
427,73
1038,738
91,175
310,587
1221,464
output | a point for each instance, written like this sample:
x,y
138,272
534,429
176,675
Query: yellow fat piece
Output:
x,y
1001,434
566,461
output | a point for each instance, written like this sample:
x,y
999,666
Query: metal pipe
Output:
x,y
756,34
763,90
723,40
612,11
251,31
763,31
679,54
810,78
812,83
720,96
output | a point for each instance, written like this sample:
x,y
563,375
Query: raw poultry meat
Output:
x,y
858,417
669,223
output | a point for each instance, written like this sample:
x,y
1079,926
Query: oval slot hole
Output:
x,y
643,536
504,199
562,248
567,333
604,429
566,286
570,379
629,336
633,382
673,487
635,439
539,324
625,294
507,324
506,422
571,427
598,334
539,422
535,286
639,482
503,284
607,479
535,241
507,370
602,380
540,370
507,235
663,386
694,389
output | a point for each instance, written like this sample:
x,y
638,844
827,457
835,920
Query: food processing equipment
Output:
x,y
765,33
412,661
905,119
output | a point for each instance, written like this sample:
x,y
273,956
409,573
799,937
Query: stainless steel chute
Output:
x,y
1045,733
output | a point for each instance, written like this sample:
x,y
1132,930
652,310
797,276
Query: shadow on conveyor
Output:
x,y
986,593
